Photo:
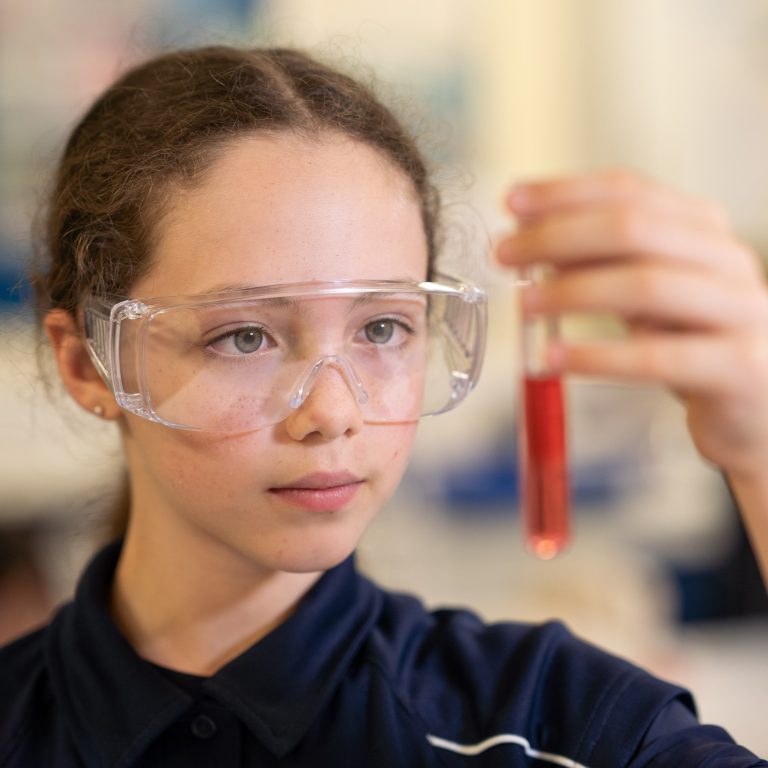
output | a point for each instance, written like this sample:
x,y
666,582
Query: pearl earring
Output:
x,y
98,410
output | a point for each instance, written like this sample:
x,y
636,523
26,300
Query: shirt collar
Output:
x,y
117,703
279,685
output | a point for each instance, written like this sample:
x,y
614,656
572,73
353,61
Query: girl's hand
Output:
x,y
692,297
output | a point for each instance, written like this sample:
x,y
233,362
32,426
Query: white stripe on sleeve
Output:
x,y
502,738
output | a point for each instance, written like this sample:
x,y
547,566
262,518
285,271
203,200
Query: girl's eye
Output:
x,y
241,341
387,330
380,331
248,340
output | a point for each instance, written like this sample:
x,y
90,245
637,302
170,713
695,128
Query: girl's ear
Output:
x,y
78,373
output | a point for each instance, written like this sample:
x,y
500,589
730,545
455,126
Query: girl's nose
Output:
x,y
328,404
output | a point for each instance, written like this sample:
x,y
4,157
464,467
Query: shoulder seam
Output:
x,y
618,685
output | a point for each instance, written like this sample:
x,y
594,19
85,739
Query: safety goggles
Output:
x,y
242,360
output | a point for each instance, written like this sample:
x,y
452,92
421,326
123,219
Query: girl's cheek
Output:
x,y
400,448
194,461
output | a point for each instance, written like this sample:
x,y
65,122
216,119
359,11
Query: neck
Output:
x,y
195,605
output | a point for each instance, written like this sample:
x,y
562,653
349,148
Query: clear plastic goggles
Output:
x,y
242,360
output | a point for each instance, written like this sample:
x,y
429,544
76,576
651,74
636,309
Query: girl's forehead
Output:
x,y
287,209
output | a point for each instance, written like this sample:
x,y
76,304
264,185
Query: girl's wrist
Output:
x,y
750,489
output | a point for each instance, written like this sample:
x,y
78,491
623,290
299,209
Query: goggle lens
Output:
x,y
240,364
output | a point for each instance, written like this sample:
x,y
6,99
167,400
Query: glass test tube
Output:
x,y
544,465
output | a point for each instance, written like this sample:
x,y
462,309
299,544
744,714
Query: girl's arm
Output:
x,y
692,297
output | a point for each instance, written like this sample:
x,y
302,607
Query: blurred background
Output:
x,y
498,90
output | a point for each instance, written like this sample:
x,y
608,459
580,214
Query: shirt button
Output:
x,y
203,727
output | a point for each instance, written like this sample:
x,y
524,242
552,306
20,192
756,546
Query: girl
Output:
x,y
243,275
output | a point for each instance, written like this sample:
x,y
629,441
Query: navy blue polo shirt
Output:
x,y
355,677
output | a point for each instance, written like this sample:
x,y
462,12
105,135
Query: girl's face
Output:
x,y
296,496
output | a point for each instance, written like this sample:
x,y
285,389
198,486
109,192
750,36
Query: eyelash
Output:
x,y
230,334
402,324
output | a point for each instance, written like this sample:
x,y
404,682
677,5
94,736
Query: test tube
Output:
x,y
544,464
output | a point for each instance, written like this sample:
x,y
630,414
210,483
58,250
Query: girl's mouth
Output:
x,y
320,491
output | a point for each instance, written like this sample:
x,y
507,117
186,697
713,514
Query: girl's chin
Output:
x,y
310,556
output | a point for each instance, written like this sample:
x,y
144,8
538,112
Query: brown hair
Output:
x,y
161,124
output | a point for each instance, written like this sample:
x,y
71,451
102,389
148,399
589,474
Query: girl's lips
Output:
x,y
320,492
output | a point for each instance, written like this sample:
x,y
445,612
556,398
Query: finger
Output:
x,y
689,365
620,231
537,198
651,294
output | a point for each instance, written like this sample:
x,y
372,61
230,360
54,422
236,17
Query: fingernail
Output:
x,y
557,356
519,198
508,250
530,298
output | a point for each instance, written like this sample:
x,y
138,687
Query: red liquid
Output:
x,y
546,488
